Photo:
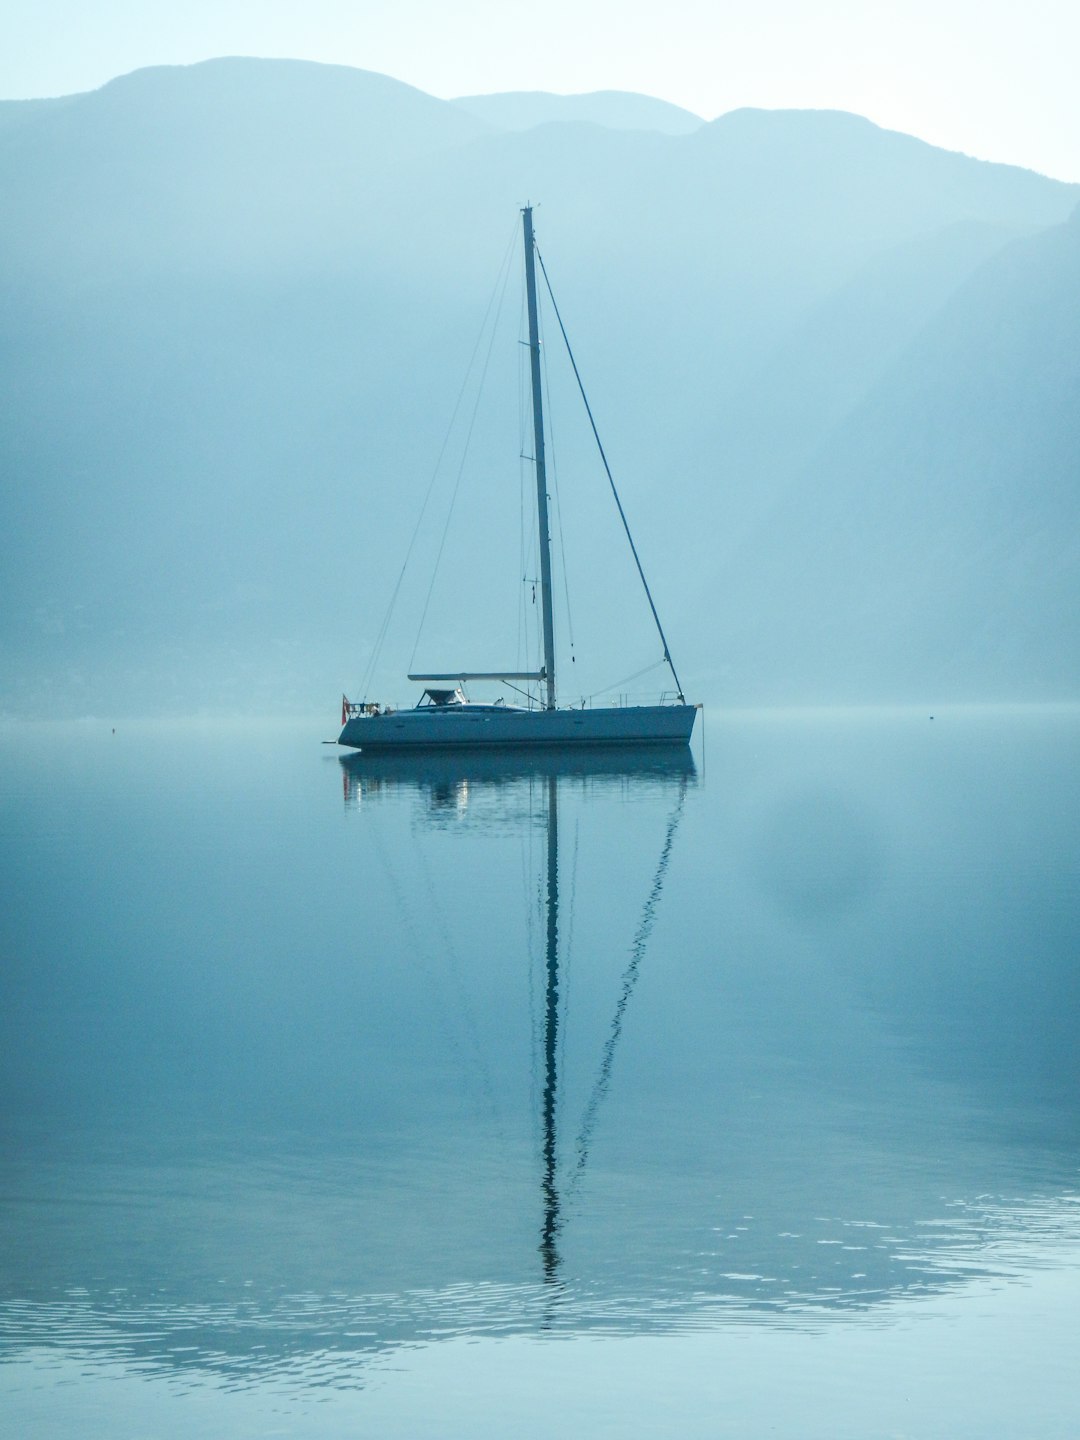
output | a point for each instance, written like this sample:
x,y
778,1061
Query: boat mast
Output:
x,y
538,452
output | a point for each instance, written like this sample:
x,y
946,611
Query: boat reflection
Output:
x,y
448,781
445,777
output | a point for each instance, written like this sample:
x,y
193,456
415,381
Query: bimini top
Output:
x,y
443,697
456,699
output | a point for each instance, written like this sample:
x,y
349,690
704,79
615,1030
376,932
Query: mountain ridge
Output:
x,y
617,109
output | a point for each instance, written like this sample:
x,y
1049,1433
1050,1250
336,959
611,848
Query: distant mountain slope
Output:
x,y
617,109
840,350
14,113
189,164
932,546
840,167
236,304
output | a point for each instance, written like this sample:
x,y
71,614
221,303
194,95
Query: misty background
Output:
x,y
835,369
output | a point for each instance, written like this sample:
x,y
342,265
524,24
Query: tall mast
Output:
x,y
538,452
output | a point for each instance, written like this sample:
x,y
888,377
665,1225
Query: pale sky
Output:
x,y
998,79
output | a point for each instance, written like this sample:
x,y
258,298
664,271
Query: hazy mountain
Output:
x,y
237,302
931,546
18,112
617,109
237,161
829,362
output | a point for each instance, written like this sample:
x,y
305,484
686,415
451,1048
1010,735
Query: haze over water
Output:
x,y
729,1095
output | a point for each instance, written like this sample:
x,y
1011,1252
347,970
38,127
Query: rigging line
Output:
x,y
468,1018
629,981
611,480
464,457
529,637
568,949
458,985
418,948
534,643
606,690
528,694
384,627
530,542
553,467
522,650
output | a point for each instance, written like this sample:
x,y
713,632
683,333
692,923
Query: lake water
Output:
x,y
725,1095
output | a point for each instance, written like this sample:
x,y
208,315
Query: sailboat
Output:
x,y
446,719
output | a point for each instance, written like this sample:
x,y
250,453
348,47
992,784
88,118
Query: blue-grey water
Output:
x,y
729,1094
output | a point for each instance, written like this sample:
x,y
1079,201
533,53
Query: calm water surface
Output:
x,y
725,1095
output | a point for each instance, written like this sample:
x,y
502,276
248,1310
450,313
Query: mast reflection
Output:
x,y
451,784
552,1221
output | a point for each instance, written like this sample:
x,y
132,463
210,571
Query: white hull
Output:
x,y
466,727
